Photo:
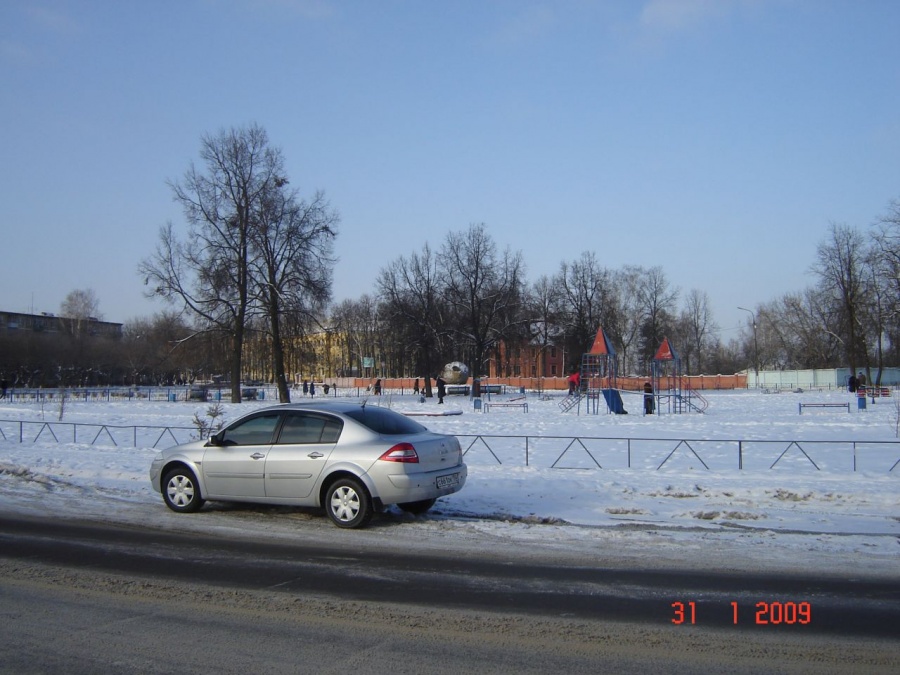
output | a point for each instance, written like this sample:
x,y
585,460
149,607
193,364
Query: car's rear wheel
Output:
x,y
180,491
417,508
348,503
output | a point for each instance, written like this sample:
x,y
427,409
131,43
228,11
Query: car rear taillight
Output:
x,y
402,452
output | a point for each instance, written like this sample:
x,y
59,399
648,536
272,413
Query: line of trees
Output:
x,y
255,268
851,316
466,298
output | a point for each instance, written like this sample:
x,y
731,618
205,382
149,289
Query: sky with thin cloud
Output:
x,y
718,139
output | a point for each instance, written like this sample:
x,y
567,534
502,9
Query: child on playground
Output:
x,y
574,382
648,399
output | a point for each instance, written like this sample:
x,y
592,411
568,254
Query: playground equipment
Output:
x,y
598,377
598,380
670,390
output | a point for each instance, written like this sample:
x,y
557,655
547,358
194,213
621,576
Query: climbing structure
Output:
x,y
598,376
668,388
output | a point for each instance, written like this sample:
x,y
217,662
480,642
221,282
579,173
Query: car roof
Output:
x,y
323,406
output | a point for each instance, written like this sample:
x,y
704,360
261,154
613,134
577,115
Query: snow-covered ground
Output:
x,y
812,510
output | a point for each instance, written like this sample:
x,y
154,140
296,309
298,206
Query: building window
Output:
x,y
552,352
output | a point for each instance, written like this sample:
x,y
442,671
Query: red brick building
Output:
x,y
527,361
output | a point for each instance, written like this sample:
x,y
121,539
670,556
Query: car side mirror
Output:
x,y
215,439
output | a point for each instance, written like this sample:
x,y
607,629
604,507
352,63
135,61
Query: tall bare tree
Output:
x,y
658,299
697,327
840,264
796,331
545,331
887,239
584,287
887,267
629,317
208,272
290,264
412,289
483,287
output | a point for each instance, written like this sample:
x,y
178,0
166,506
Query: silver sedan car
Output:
x,y
350,458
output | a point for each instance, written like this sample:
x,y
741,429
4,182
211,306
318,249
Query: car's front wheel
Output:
x,y
348,503
180,491
417,508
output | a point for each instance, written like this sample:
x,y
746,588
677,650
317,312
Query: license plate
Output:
x,y
447,481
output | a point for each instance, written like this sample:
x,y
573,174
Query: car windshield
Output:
x,y
384,421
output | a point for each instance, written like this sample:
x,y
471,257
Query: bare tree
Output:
x,y
887,240
155,354
208,273
542,307
79,307
840,267
886,265
795,332
80,356
584,287
291,262
657,299
356,323
629,317
412,289
483,288
697,328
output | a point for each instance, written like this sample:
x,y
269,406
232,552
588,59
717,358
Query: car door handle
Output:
x,y
315,455
257,455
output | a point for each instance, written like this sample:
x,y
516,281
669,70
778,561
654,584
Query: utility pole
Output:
x,y
755,343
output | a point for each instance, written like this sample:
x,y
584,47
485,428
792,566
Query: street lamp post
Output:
x,y
755,343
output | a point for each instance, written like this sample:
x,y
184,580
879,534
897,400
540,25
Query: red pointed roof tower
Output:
x,y
598,366
665,352
602,345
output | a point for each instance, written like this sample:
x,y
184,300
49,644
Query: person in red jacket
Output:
x,y
574,382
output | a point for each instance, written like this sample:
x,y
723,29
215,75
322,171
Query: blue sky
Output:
x,y
716,138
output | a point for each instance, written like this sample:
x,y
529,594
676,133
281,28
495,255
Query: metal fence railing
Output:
x,y
175,394
582,452
135,394
31,431
552,452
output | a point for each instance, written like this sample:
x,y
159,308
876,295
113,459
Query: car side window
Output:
x,y
332,431
301,428
255,431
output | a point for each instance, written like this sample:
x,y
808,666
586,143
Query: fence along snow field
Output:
x,y
553,452
584,452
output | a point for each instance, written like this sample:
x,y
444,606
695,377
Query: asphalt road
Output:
x,y
215,599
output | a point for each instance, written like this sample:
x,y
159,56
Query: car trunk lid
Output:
x,y
436,451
